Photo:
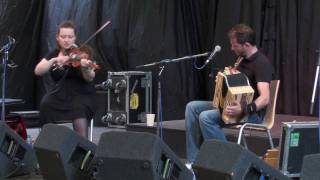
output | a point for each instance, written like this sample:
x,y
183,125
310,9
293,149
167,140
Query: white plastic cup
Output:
x,y
150,119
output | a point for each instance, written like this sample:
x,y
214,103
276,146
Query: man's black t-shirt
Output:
x,y
258,69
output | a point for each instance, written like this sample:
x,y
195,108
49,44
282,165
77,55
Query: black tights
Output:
x,y
80,125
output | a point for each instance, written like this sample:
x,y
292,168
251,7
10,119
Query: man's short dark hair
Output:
x,y
243,33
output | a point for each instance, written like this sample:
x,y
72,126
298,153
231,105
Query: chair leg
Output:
x,y
91,130
245,141
270,139
240,134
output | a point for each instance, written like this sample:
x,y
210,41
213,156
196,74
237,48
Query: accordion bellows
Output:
x,y
231,88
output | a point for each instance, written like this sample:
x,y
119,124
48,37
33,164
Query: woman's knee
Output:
x,y
80,126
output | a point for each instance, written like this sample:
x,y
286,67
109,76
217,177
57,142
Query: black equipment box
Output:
x,y
297,140
129,97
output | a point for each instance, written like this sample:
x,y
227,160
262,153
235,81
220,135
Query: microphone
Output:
x,y
74,45
217,48
104,85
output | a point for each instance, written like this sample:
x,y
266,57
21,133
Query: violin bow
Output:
x,y
94,34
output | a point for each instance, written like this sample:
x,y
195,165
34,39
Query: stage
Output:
x,y
174,135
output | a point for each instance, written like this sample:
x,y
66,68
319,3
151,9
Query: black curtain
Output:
x,y
21,20
140,32
297,36
146,31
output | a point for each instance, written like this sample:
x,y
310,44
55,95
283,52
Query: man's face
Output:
x,y
238,49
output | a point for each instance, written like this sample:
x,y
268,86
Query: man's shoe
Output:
x,y
189,165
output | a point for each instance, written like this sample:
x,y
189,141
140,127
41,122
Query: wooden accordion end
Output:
x,y
231,88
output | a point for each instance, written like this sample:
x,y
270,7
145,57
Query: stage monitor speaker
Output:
x,y
16,156
137,156
225,160
63,154
311,167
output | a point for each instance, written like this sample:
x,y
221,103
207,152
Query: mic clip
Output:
x,y
7,46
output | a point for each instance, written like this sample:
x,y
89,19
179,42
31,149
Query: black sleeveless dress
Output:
x,y
69,98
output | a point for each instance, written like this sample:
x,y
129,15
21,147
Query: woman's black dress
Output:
x,y
70,98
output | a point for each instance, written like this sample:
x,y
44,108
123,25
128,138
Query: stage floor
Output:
x,y
174,133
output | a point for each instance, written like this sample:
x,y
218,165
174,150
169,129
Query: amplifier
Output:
x,y
297,140
129,97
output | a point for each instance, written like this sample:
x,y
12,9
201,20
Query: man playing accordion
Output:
x,y
203,120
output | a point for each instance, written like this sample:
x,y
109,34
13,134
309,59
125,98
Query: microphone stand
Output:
x,y
315,84
4,72
161,65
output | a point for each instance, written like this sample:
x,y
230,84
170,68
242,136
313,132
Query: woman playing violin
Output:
x,y
72,70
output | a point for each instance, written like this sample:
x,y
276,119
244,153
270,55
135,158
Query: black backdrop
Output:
x,y
144,31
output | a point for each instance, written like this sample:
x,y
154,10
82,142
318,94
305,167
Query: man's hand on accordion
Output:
x,y
234,109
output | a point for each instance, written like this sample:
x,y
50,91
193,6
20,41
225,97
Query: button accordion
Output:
x,y
231,88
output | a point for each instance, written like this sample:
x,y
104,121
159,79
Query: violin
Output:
x,y
76,54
